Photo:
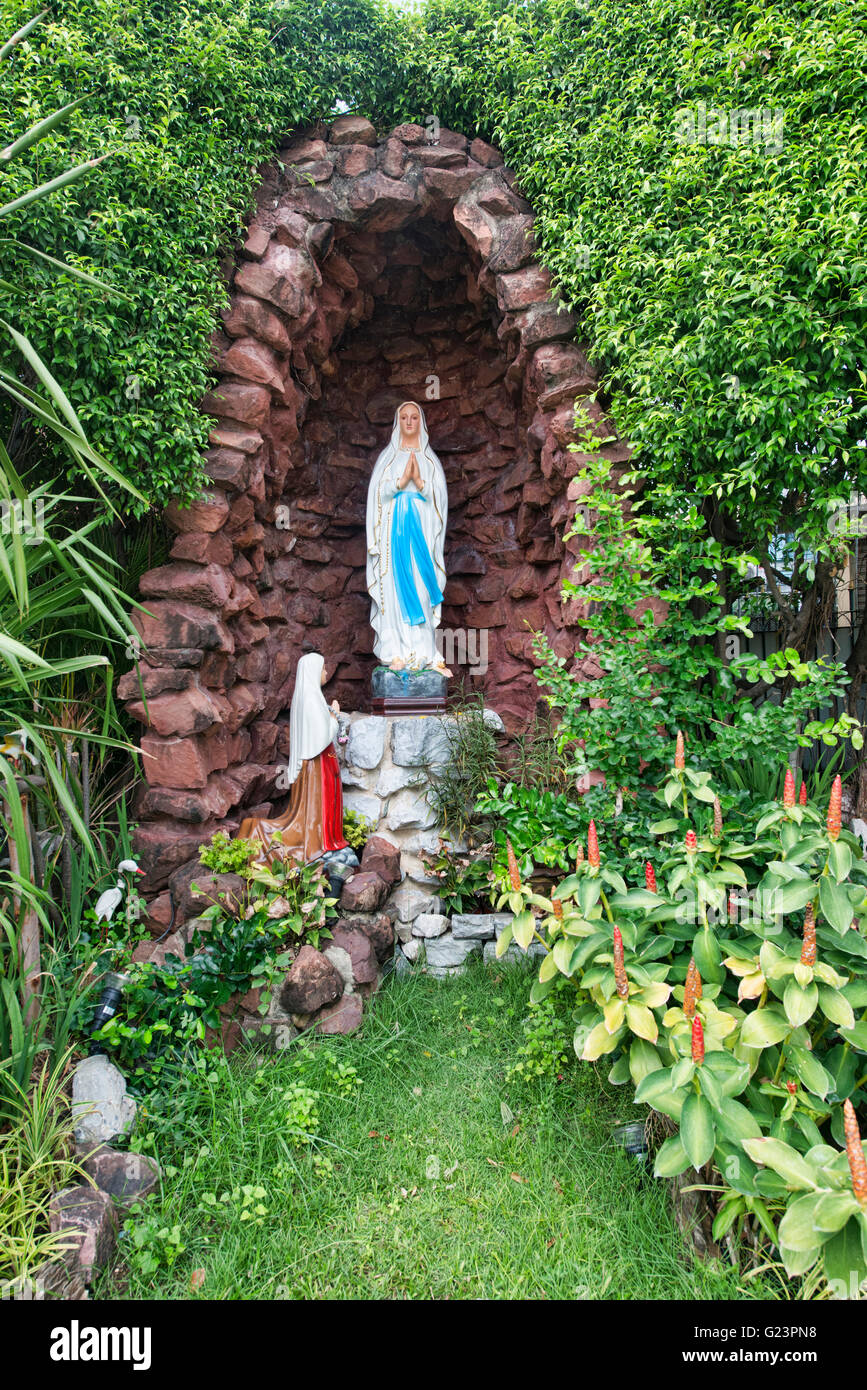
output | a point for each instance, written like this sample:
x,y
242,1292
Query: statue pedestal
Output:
x,y
407,692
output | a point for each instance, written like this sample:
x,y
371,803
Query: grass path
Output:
x,y
430,1176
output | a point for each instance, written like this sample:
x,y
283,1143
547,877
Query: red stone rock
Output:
x,y
202,548
485,154
381,857
153,680
238,401
155,952
179,712
227,436
340,1018
206,514
251,318
386,203
361,952
254,361
377,927
352,130
206,584
353,160
518,288
86,1218
181,624
311,983
364,892
127,1178
451,183
226,888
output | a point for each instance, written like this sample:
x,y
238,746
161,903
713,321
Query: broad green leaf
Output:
x,y
835,904
799,1004
672,1158
844,1258
834,1209
764,1027
785,1160
697,1129
836,1007
641,1021
522,928
736,1121
643,1059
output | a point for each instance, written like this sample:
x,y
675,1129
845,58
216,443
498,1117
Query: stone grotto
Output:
x,y
374,270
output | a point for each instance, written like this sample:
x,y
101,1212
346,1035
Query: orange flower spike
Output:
x,y
692,989
835,809
802,794
808,950
679,756
789,788
514,876
557,908
620,981
650,877
691,842
592,846
717,818
697,1041
855,1153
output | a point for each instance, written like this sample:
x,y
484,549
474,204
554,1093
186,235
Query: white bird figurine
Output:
x,y
108,902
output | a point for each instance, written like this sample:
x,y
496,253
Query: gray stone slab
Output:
x,y
445,951
479,926
418,740
366,743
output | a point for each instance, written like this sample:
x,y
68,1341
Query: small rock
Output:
x,y
342,962
376,927
381,857
412,948
445,951
101,1107
311,982
430,924
359,948
479,926
342,1017
126,1177
409,901
366,743
86,1218
364,892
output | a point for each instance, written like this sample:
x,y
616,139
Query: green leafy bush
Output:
x,y
729,991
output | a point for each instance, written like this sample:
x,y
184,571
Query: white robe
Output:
x,y
394,637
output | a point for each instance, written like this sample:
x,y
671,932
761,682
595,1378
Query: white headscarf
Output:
x,y
312,726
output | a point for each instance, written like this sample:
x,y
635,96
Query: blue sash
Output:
x,y
408,544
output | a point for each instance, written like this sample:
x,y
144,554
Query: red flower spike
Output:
x,y
697,1041
679,756
835,809
691,842
802,794
789,788
808,950
792,1087
620,981
855,1153
514,875
592,846
650,877
717,818
557,907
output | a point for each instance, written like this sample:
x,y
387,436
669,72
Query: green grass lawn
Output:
x,y
429,1174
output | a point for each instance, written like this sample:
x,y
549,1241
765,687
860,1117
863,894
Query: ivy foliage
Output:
x,y
186,101
717,260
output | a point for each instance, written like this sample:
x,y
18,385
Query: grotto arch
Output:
x,y
373,270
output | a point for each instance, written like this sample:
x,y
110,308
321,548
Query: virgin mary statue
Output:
x,y
312,823
406,523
